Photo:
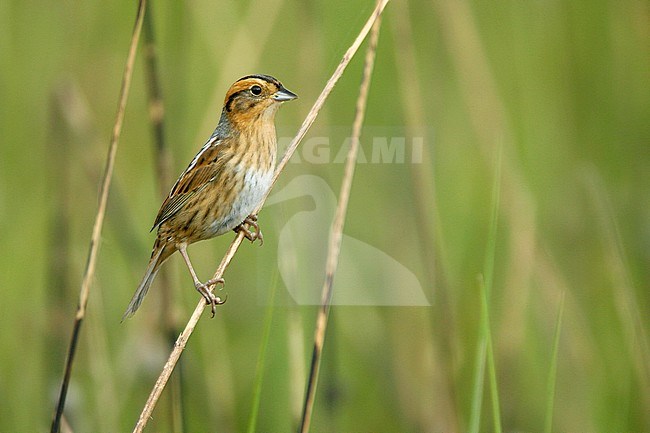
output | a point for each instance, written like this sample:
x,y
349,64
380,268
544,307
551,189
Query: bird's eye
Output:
x,y
256,90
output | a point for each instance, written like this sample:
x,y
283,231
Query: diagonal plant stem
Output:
x,y
99,218
184,336
336,234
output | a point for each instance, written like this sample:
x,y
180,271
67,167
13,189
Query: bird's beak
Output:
x,y
283,95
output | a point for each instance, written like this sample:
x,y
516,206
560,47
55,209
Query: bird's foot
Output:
x,y
210,298
251,235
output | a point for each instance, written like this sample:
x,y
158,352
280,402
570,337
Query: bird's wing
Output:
x,y
203,169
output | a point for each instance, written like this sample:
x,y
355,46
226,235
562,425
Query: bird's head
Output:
x,y
253,99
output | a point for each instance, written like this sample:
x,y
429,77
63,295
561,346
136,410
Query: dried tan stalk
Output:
x,y
336,233
91,263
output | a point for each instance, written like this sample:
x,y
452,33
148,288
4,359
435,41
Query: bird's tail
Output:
x,y
160,253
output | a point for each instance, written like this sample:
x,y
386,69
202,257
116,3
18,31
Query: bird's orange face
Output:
x,y
255,98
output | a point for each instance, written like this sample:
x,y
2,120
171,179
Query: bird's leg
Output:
x,y
203,288
252,236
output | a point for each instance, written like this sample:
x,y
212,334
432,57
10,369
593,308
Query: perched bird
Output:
x,y
224,182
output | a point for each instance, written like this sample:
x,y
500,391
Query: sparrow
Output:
x,y
223,184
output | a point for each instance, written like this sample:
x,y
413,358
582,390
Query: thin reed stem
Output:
x,y
162,161
336,234
91,263
184,336
156,104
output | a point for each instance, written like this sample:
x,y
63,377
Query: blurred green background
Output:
x,y
561,87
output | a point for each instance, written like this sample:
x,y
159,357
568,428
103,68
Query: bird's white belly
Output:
x,y
256,184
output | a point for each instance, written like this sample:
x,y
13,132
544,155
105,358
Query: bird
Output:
x,y
366,275
223,184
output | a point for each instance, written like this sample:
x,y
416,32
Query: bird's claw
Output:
x,y
249,234
210,298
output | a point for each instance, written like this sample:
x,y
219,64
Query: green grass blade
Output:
x,y
485,340
487,289
477,391
488,266
261,358
552,374
492,372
